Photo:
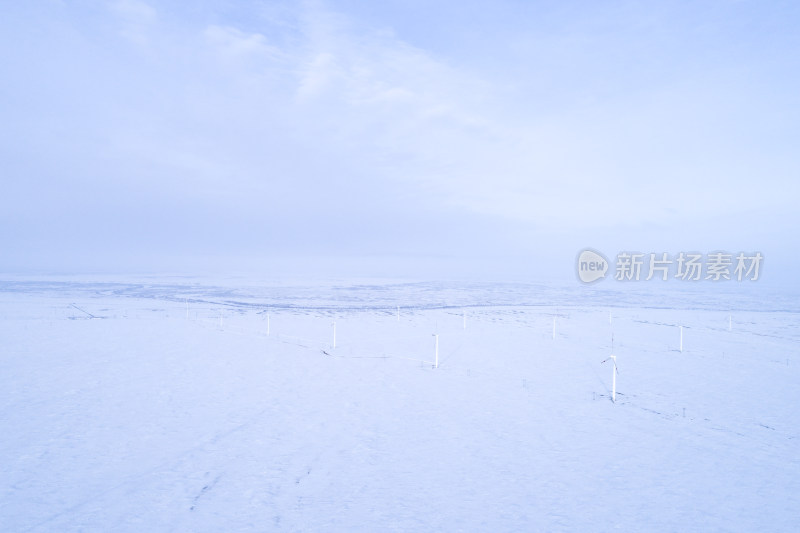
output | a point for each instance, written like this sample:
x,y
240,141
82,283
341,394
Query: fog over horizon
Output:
x,y
486,140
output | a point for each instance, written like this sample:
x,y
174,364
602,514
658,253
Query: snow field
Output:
x,y
144,420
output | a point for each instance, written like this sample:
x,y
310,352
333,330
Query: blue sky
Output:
x,y
483,139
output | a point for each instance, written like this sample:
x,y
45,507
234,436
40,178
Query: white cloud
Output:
x,y
313,113
234,43
137,19
135,11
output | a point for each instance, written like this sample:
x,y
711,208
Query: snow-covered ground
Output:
x,y
167,406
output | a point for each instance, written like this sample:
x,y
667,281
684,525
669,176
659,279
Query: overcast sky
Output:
x,y
490,139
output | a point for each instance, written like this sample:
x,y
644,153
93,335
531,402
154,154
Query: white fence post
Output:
x,y
436,360
613,359
614,379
